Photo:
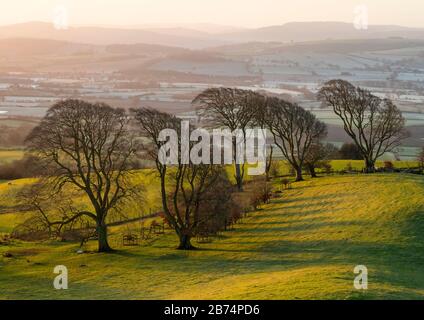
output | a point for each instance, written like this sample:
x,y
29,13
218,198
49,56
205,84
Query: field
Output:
x,y
346,165
10,155
303,245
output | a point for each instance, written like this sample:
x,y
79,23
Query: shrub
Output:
x,y
259,192
327,168
218,208
388,166
350,151
285,183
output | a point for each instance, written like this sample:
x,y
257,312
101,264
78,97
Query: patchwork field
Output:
x,y
303,245
10,155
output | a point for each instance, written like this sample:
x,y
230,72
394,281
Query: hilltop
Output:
x,y
303,245
197,37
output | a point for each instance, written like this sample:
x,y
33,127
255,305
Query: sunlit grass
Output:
x,y
303,245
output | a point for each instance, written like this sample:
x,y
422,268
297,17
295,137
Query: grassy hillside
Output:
x,y
303,245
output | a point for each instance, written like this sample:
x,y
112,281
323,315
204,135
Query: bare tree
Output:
x,y
375,125
88,147
262,117
294,130
232,108
318,156
190,192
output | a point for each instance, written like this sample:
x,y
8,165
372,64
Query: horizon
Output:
x,y
194,25
237,14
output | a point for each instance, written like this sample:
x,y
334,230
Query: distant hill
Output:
x,y
312,31
22,47
346,46
43,55
197,38
106,36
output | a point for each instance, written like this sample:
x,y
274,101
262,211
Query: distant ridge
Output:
x,y
107,36
196,39
313,31
19,47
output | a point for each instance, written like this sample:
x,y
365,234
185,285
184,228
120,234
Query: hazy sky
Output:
x,y
248,13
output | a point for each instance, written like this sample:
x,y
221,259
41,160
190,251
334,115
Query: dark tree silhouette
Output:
x,y
350,151
316,154
87,146
232,108
294,130
261,118
191,193
375,125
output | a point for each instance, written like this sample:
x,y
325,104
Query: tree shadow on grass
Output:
x,y
318,198
305,225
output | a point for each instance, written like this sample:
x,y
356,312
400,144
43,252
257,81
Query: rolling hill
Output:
x,y
32,54
303,245
198,39
314,31
108,35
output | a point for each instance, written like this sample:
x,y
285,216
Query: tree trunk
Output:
x,y
369,166
185,243
299,176
239,178
311,169
102,238
238,175
269,163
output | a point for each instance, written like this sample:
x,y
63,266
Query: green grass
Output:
x,y
303,245
340,165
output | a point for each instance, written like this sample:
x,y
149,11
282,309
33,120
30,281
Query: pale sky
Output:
x,y
246,13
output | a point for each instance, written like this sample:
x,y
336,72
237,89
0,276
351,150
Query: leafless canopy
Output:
x,y
231,108
318,156
375,125
294,130
189,191
89,147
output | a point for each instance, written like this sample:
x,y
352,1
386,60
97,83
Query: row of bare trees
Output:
x,y
88,150
294,129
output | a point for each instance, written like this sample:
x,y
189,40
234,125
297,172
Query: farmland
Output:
x,y
167,78
7,156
